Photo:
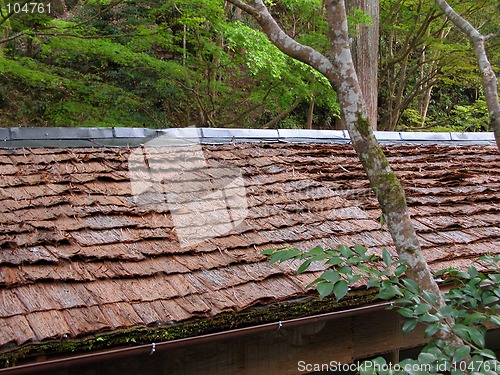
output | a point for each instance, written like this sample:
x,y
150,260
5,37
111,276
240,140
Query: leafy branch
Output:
x,y
472,301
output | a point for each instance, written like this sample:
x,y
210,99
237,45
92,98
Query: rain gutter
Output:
x,y
150,349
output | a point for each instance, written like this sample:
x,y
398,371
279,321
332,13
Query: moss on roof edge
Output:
x,y
255,316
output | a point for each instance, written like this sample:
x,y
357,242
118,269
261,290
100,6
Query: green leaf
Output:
x,y
486,353
494,277
409,325
283,255
489,299
331,276
335,261
366,368
352,279
469,333
442,272
428,318
386,294
324,289
368,270
319,257
303,267
429,297
268,252
426,358
477,337
431,330
462,331
360,250
382,221
472,271
401,269
380,362
354,260
411,285
474,319
318,250
495,319
422,308
386,256
406,312
340,289
345,251
461,353
446,310
373,283
346,270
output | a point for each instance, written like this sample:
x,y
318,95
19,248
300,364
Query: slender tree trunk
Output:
x,y
383,180
339,70
282,115
490,83
426,90
424,104
6,32
430,71
364,48
184,44
310,114
64,6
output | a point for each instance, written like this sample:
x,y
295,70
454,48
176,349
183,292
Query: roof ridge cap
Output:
x,y
122,137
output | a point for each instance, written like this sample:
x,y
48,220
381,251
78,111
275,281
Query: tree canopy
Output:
x,y
179,63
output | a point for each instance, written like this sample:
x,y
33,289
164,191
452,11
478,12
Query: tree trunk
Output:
x,y
6,32
310,115
339,70
282,115
490,84
364,48
64,6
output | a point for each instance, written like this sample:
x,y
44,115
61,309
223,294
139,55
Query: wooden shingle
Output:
x,y
79,254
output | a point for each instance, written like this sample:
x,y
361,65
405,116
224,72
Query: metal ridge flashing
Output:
x,y
130,137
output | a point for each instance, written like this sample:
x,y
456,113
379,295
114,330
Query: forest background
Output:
x,y
178,63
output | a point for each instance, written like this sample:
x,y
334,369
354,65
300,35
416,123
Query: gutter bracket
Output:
x,y
153,349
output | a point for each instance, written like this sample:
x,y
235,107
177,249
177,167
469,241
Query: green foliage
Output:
x,y
358,18
173,63
471,118
411,118
419,49
261,57
461,118
180,62
25,17
468,307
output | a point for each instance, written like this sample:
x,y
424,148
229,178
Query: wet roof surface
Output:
x,y
79,256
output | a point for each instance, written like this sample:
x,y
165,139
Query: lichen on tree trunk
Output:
x,y
339,69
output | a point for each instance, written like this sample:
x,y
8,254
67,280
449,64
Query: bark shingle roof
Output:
x,y
78,256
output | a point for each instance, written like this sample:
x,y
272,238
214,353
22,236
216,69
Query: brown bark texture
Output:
x,y
339,69
490,83
364,49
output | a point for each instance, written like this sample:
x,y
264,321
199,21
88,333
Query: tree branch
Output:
x,y
244,6
70,35
490,83
285,43
282,114
5,18
251,109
